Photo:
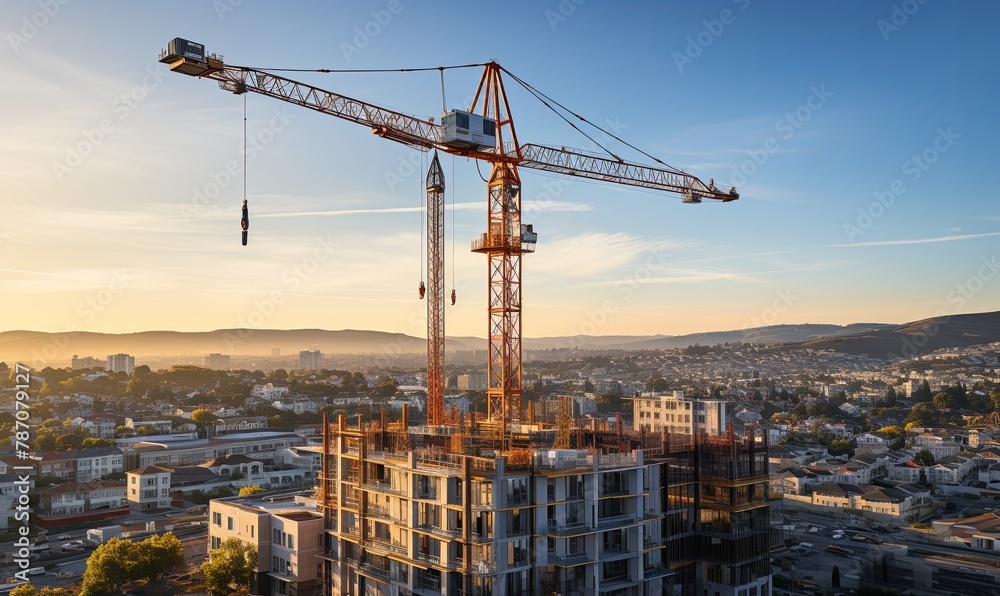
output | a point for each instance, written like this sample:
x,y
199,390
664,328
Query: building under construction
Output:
x,y
450,510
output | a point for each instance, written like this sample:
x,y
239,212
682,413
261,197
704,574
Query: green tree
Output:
x,y
110,566
924,457
202,416
45,441
94,442
838,447
893,432
157,555
146,431
29,590
944,401
117,563
250,490
229,566
69,442
890,397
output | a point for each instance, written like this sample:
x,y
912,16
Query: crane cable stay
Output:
x,y
483,132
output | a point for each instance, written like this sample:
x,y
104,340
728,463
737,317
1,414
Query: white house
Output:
x,y
149,488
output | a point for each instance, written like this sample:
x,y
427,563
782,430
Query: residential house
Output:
x,y
149,488
98,462
73,503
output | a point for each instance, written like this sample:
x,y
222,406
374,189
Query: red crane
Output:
x,y
486,132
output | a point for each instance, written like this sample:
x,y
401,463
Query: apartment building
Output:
x,y
678,414
626,519
287,532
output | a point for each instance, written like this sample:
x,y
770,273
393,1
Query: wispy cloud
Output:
x,y
917,240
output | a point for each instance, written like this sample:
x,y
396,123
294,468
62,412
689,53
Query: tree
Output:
x,y
29,590
835,577
229,566
157,555
890,397
110,566
893,432
94,442
944,401
924,458
119,562
202,416
69,442
250,490
838,447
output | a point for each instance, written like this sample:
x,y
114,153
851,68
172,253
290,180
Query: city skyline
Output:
x,y
859,148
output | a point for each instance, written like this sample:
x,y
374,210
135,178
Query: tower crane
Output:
x,y
485,132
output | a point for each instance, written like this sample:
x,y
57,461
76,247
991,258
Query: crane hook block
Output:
x,y
453,297
245,222
422,290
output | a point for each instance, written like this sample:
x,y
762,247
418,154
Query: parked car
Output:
x,y
63,537
41,539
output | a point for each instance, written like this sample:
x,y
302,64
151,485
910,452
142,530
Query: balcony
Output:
x,y
372,570
377,511
427,585
384,487
385,546
569,559
569,529
436,531
616,521
427,557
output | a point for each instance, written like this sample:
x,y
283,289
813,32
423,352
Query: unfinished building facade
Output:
x,y
438,510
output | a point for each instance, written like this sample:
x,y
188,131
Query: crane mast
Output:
x,y
435,293
506,238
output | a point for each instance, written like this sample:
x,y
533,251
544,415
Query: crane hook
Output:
x,y
245,222
453,297
421,290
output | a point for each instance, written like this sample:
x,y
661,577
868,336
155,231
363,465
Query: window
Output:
x,y
276,538
216,518
229,523
291,541
489,128
216,541
462,120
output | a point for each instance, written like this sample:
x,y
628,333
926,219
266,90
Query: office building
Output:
x,y
121,363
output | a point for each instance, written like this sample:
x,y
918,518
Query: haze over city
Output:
x,y
860,140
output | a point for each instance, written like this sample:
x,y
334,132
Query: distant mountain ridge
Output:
x,y
879,340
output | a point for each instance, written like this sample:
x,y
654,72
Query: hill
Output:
x,y
918,337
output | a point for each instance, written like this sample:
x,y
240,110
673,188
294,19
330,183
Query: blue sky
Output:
x,y
861,136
